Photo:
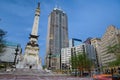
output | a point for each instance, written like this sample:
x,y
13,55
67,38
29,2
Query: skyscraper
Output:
x,y
57,37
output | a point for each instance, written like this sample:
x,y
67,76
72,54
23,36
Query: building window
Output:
x,y
56,12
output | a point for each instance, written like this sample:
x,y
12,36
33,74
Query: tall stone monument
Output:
x,y
31,58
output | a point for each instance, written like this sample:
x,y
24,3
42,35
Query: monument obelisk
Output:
x,y
31,58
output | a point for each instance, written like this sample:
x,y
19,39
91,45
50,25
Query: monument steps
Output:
x,y
31,72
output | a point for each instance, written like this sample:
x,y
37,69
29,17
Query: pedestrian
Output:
x,y
112,71
119,70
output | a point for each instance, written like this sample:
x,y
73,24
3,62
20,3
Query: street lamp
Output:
x,y
16,53
50,60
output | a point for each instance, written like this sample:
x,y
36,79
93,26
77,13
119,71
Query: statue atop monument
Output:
x,y
31,58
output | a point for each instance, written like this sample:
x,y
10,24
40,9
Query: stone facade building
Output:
x,y
96,42
110,38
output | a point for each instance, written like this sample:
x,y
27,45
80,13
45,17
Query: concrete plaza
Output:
x,y
29,74
34,77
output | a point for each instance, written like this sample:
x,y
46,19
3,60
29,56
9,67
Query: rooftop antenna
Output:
x,y
56,5
60,8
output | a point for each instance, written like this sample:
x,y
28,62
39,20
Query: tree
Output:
x,y
114,63
44,66
115,49
2,40
81,62
2,45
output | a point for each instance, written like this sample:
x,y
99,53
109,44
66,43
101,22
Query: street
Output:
x,y
34,77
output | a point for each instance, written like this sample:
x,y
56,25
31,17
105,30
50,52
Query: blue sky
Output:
x,y
86,18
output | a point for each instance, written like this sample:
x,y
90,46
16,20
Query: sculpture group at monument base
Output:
x,y
29,66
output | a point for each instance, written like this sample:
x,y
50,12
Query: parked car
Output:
x,y
116,77
102,77
106,77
